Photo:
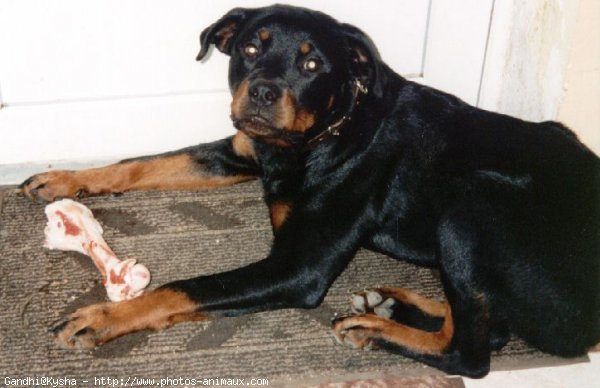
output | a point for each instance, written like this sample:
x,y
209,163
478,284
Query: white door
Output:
x,y
104,79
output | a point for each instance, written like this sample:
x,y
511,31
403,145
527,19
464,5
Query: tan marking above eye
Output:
x,y
264,35
305,48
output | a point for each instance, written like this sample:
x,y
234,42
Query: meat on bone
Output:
x,y
72,227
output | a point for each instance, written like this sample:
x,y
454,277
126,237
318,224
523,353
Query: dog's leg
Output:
x,y
375,326
96,324
447,348
411,309
402,306
221,163
380,324
461,345
307,255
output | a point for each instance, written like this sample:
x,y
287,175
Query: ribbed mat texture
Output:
x,y
178,235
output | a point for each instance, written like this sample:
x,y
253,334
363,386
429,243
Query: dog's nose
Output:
x,y
264,93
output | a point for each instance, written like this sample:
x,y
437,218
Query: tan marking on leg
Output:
x,y
242,145
100,323
175,172
279,212
425,342
428,306
154,310
361,331
171,172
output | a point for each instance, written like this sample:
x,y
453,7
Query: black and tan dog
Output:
x,y
352,155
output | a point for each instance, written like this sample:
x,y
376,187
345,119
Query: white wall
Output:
x,y
527,57
580,107
543,63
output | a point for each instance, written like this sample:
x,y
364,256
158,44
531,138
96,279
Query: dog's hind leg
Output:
x,y
400,305
459,345
409,308
404,322
454,336
368,331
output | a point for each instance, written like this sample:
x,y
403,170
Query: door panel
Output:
x,y
85,50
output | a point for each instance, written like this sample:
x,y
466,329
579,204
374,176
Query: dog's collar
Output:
x,y
358,89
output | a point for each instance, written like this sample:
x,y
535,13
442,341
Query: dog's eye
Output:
x,y
250,50
311,65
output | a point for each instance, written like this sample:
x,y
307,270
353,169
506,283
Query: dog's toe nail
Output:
x,y
335,320
84,331
26,182
58,328
337,338
350,343
81,193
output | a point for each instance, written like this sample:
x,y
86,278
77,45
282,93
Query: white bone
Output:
x,y
71,227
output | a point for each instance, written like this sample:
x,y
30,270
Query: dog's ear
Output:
x,y
223,31
366,63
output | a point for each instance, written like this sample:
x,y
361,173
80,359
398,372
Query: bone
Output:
x,y
72,227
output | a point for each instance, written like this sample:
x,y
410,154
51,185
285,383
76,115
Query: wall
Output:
x,y
580,108
527,57
543,63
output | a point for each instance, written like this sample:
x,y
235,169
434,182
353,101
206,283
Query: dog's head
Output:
x,y
291,69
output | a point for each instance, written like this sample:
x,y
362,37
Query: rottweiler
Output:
x,y
350,155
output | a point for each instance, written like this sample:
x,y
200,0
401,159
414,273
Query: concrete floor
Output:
x,y
582,375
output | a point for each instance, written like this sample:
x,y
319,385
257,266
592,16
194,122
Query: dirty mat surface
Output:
x,y
178,235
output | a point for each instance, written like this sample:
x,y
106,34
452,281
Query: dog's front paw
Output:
x,y
52,185
87,327
99,323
